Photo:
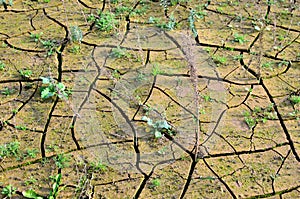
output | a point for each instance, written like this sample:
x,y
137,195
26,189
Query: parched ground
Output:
x,y
150,99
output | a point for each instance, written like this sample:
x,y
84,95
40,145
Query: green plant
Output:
x,y
153,20
49,45
25,73
119,52
155,183
30,181
116,74
5,4
55,187
156,70
191,20
31,194
106,21
21,127
36,36
91,18
52,148
76,34
120,10
53,192
170,25
75,49
8,91
268,65
206,98
165,4
158,127
98,166
11,149
31,153
61,160
9,190
250,121
51,88
239,38
238,57
295,99
2,65
207,49
219,60
283,63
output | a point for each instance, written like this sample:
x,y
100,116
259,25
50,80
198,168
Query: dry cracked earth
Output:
x,y
149,99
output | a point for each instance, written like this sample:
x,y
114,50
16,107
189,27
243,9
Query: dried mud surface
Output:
x,y
224,95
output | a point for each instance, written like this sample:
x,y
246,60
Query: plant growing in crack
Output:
x,y
50,88
56,180
6,3
250,121
62,160
9,190
158,127
76,34
26,73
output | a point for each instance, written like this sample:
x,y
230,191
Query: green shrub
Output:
x,y
106,21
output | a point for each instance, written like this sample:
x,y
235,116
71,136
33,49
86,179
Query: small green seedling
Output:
x,y
53,192
2,65
153,20
11,149
219,60
268,65
31,194
21,127
5,4
206,98
51,88
239,38
250,121
75,49
31,153
238,57
55,187
49,45
76,34
8,191
155,183
61,160
8,91
105,22
295,99
156,70
119,52
30,181
36,36
25,73
158,126
116,74
98,166
170,25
